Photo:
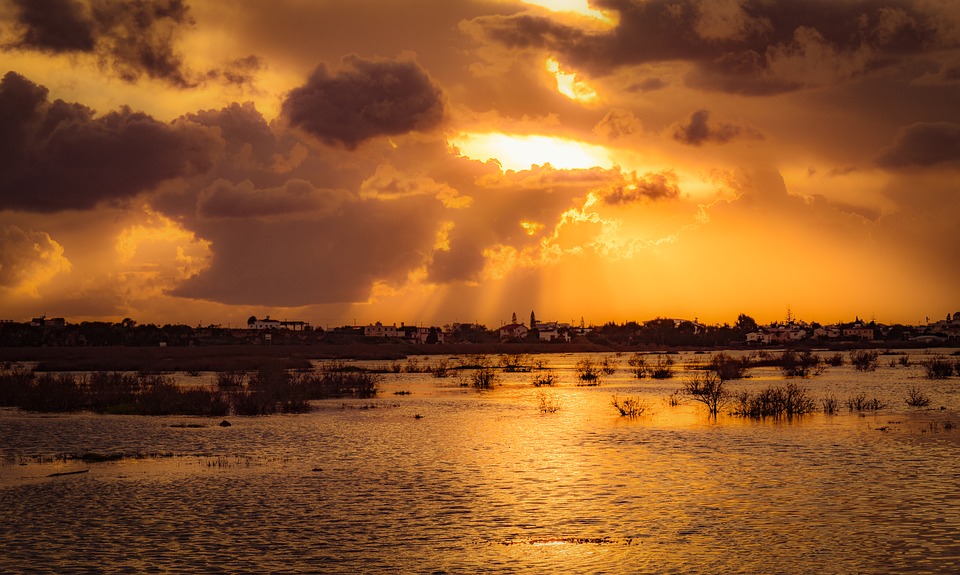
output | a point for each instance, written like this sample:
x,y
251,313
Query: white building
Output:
x,y
380,330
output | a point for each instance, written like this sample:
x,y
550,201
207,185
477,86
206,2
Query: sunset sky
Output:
x,y
438,161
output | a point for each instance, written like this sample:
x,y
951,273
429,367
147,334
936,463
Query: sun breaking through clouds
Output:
x,y
434,161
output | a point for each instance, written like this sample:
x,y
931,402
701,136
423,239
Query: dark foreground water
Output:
x,y
486,482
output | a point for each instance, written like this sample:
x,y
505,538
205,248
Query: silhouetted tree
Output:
x,y
746,324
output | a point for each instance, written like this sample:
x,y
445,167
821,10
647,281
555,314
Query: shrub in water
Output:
x,y
861,403
775,401
916,398
484,378
728,367
544,378
938,367
588,372
629,406
707,388
835,360
805,364
548,403
864,360
638,365
663,369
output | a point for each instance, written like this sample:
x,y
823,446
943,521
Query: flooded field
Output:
x,y
434,477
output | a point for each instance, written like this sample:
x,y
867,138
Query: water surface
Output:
x,y
450,480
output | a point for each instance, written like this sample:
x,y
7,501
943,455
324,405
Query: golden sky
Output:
x,y
430,162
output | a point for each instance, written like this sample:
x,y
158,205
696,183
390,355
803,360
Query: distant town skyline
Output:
x,y
435,162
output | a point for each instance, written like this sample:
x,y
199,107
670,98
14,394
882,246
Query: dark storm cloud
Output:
x,y
131,37
302,262
365,99
58,156
462,262
223,199
734,47
662,186
699,131
55,26
239,72
923,144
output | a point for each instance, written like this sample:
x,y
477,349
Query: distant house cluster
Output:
x,y
542,331
408,333
269,324
858,330
44,321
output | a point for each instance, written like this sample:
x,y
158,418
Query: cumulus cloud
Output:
x,y
29,259
699,130
923,144
59,156
365,99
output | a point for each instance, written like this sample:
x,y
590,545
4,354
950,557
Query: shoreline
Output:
x,y
221,357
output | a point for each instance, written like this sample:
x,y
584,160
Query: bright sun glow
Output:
x,y
576,6
518,152
569,85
